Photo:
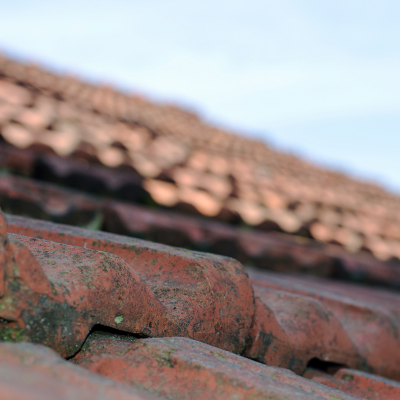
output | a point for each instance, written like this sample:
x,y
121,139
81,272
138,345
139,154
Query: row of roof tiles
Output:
x,y
114,367
186,291
178,159
269,250
58,283
354,231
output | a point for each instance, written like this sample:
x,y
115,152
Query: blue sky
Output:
x,y
315,78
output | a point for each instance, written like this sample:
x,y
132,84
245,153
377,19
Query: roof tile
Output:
x,y
185,369
33,372
361,384
152,289
369,318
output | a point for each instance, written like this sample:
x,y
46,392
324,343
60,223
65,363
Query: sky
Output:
x,y
319,79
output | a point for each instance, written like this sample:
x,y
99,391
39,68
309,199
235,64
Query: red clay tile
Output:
x,y
205,203
289,330
18,135
39,116
184,369
7,111
152,289
14,94
266,250
34,372
369,318
164,193
361,384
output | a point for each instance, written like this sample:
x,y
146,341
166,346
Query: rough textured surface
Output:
x,y
62,281
366,323
361,384
290,330
180,368
34,372
55,293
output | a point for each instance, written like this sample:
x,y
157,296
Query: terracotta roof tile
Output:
x,y
183,369
14,94
17,135
205,297
164,193
296,320
267,250
33,372
361,384
290,330
368,317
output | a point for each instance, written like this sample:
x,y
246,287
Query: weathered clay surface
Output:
x,y
289,330
180,368
34,372
55,292
369,317
361,384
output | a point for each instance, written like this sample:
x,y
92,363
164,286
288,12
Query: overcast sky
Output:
x,y
318,78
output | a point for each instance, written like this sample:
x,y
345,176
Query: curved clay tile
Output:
x,y
305,212
202,201
14,94
7,111
40,115
351,221
166,152
217,185
287,220
198,160
379,248
62,142
329,216
186,176
144,166
349,239
251,212
218,165
321,232
164,193
272,199
17,135
111,156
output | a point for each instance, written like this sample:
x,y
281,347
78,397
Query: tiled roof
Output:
x,y
183,163
60,291
267,250
108,314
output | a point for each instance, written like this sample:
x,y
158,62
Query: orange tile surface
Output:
x,y
35,372
361,384
336,322
54,293
184,369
